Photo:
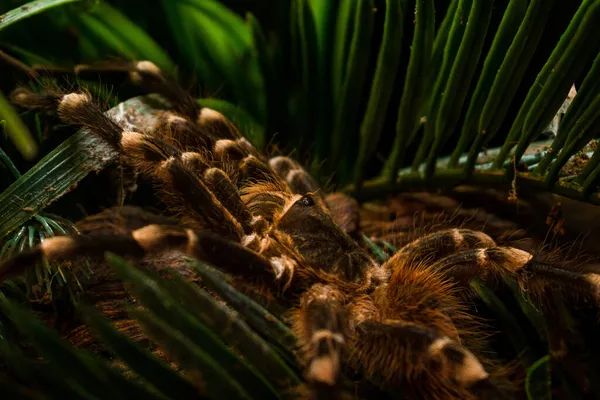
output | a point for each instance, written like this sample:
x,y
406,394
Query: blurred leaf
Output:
x,y
218,44
388,62
145,365
306,99
181,329
224,17
418,77
378,251
114,30
217,382
17,130
30,9
46,377
26,56
344,26
85,373
347,106
537,383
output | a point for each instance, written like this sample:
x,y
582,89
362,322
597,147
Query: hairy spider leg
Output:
x,y
203,245
300,181
321,326
493,263
174,172
463,255
416,358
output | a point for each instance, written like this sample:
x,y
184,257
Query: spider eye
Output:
x,y
307,201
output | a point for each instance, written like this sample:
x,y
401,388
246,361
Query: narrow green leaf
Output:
x,y
16,129
352,88
145,365
538,381
322,11
325,17
257,317
89,49
508,322
219,44
583,47
590,174
388,62
45,374
509,77
534,315
163,307
390,247
459,80
378,251
305,52
83,370
235,333
216,381
182,27
418,76
236,28
440,40
582,101
5,159
106,36
231,56
29,57
513,15
267,69
121,34
518,124
30,9
344,27
450,50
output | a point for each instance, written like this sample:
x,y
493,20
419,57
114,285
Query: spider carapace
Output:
x,y
405,323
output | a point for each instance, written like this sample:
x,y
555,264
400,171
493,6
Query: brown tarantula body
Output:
x,y
405,323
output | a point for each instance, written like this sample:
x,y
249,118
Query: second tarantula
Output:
x,y
405,323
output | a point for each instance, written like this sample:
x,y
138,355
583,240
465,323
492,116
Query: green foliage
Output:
x,y
196,328
326,81
113,32
17,130
366,91
538,380
30,9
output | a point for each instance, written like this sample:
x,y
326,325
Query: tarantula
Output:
x,y
405,323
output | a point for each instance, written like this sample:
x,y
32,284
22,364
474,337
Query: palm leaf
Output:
x,y
193,327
